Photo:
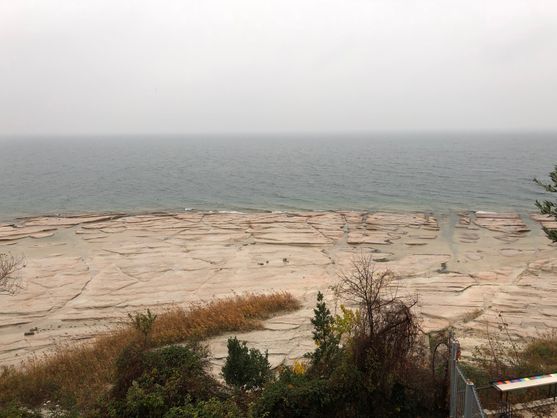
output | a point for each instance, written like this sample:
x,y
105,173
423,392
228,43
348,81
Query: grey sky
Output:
x,y
181,66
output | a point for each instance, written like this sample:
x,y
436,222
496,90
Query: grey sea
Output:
x,y
438,172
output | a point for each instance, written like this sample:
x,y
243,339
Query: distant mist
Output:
x,y
216,66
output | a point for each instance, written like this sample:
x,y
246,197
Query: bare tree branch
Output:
x,y
387,335
10,281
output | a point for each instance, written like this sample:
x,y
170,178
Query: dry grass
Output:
x,y
541,353
501,358
80,374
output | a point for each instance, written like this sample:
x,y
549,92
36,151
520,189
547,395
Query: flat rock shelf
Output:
x,y
83,274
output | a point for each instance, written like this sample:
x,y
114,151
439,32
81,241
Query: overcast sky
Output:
x,y
188,66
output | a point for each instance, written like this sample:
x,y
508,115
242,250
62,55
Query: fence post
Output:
x,y
469,399
453,379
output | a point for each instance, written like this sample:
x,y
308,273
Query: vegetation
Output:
x,y
502,358
385,340
9,267
77,377
245,368
149,383
547,207
143,323
367,361
325,334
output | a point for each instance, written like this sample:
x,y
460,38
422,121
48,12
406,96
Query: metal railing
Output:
x,y
464,401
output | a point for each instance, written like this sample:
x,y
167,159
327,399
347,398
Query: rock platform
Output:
x,y
83,274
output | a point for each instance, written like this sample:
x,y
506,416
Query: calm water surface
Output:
x,y
438,172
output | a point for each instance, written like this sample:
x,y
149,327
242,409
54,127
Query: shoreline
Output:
x,y
116,214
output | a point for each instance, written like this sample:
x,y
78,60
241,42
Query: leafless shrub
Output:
x,y
386,339
10,281
500,355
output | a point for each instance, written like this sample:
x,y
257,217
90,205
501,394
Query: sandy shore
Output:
x,y
86,273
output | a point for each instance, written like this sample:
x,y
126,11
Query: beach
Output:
x,y
84,274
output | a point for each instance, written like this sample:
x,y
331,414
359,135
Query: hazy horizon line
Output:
x,y
271,133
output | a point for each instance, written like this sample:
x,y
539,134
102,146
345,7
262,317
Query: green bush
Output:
x,y
182,370
541,354
143,323
129,366
245,368
347,377
325,335
293,395
213,408
150,383
143,402
547,207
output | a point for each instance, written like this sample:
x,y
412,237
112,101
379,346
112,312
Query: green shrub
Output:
x,y
144,402
129,366
143,323
547,207
293,395
541,354
347,375
150,383
213,408
325,335
245,368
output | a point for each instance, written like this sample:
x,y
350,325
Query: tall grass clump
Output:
x,y
77,376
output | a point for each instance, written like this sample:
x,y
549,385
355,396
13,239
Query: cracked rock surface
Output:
x,y
83,274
